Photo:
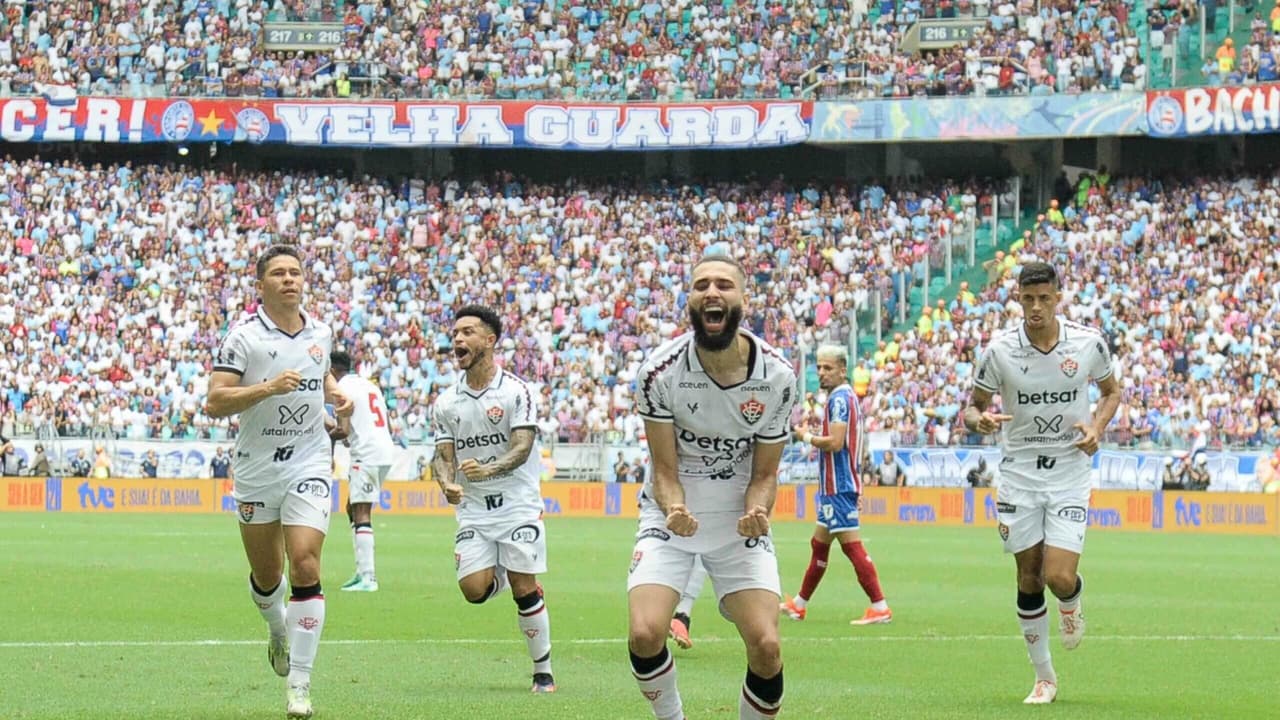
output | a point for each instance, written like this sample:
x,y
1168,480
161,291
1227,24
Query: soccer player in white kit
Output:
x,y
372,453
1042,370
488,464
273,370
717,405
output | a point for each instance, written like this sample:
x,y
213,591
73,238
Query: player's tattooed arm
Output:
x,y
444,467
515,456
518,452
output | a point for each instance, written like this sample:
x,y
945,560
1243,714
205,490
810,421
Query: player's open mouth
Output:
x,y
461,353
713,318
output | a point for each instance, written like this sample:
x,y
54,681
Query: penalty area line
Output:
x,y
53,644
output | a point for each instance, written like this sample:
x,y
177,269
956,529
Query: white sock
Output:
x,y
1072,603
270,606
364,551
880,605
1035,631
659,688
306,622
692,589
799,602
536,626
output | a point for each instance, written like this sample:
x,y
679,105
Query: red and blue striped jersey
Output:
x,y
838,471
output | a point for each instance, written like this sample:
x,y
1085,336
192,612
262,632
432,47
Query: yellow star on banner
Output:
x,y
210,124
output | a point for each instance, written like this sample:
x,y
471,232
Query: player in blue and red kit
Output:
x,y
840,450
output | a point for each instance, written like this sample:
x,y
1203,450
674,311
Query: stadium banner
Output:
x,y
1214,111
545,125
1180,512
1112,469
152,495
191,458
1234,513
980,118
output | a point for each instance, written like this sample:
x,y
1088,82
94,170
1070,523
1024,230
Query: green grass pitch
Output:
x,y
147,616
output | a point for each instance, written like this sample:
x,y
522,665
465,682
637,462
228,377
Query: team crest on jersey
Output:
x,y
494,414
316,353
1069,367
752,410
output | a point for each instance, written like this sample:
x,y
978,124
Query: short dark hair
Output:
x,y
274,252
1037,273
340,360
721,258
484,314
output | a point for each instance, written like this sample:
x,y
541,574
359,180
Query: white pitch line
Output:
x,y
619,641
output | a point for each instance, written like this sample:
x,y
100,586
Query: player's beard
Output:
x,y
720,340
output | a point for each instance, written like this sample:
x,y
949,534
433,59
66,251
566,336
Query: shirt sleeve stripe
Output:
x,y
658,418
228,369
771,438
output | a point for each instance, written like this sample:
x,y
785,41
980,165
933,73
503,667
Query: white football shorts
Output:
x,y
733,562
366,483
518,546
1059,518
298,502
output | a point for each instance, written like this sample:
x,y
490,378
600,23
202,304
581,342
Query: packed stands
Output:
x,y
1181,275
116,281
607,50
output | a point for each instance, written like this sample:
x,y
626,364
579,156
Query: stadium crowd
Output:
x,y
574,49
1183,277
116,282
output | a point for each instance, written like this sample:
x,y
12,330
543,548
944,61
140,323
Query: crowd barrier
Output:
x,y
1195,512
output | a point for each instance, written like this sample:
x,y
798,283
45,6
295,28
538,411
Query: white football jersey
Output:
x,y
282,438
716,427
479,424
370,439
1047,393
